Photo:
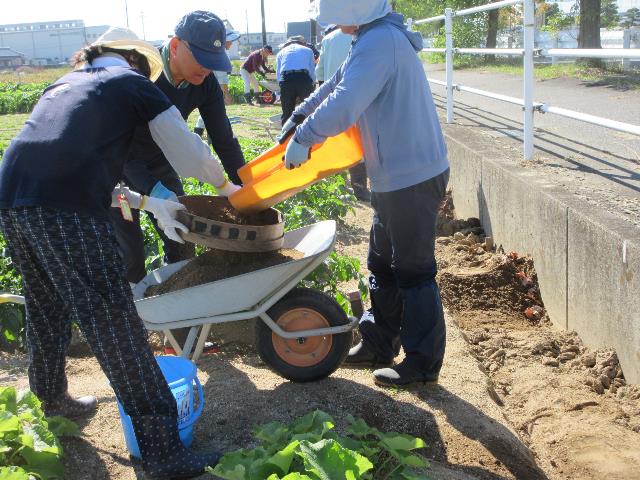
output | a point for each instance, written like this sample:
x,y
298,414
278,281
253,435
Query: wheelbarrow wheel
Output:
x,y
268,97
308,358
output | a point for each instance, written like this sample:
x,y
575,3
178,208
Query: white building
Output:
x,y
253,41
49,43
10,58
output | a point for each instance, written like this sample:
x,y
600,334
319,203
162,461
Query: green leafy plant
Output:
x,y
20,97
29,442
309,448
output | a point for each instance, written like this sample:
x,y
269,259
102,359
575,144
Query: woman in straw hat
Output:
x,y
57,182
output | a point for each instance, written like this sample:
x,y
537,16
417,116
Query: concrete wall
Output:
x,y
586,284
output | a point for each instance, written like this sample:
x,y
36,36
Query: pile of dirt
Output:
x,y
216,265
473,277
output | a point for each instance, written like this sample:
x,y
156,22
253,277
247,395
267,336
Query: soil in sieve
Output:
x,y
228,214
216,265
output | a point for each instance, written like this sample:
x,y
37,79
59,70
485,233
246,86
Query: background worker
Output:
x,y
295,72
189,57
256,62
57,183
334,51
383,87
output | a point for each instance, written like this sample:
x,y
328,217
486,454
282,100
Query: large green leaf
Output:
x,y
13,473
63,427
314,422
241,464
274,433
282,459
359,428
328,460
9,423
400,442
44,458
47,465
8,400
29,402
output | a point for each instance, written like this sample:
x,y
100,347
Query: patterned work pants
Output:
x,y
72,271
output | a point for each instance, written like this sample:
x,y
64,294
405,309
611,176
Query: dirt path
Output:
x,y
509,405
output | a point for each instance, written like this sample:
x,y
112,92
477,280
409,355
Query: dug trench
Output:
x,y
570,405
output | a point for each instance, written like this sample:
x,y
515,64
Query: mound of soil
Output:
x,y
480,280
215,265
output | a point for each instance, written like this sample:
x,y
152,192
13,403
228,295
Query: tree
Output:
x,y
492,33
589,35
609,14
631,18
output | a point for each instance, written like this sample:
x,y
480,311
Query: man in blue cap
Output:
x,y
189,58
383,88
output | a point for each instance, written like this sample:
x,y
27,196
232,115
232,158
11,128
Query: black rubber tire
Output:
x,y
325,306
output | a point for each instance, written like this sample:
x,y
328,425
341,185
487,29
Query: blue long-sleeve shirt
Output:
x,y
295,57
383,87
334,51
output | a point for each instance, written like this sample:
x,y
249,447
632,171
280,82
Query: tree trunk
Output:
x,y
589,35
492,34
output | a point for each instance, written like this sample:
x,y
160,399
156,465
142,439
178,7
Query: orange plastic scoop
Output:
x,y
266,181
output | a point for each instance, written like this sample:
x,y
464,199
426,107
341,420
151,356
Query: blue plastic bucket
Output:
x,y
180,374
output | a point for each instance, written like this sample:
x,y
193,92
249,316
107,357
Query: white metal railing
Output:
x,y
527,53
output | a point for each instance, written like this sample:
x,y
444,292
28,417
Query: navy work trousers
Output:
x,y
405,297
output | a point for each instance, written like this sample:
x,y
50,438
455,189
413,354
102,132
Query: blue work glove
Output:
x,y
296,154
289,127
162,192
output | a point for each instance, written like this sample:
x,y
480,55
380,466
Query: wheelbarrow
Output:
x,y
270,93
302,334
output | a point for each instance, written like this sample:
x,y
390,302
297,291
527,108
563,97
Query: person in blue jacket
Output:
x,y
383,88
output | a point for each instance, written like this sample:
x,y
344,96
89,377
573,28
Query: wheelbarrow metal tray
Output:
x,y
242,293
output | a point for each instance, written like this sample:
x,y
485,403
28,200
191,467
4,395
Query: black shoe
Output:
x,y
248,98
70,407
164,457
402,375
360,356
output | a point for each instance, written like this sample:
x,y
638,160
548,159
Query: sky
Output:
x,y
159,16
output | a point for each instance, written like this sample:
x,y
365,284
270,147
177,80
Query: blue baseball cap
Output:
x,y
206,35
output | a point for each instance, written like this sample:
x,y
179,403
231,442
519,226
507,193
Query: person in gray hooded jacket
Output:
x,y
383,88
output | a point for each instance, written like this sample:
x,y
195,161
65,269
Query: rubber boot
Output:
x,y
164,457
70,407
247,97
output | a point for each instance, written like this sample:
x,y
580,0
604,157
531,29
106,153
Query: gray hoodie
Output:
x,y
383,87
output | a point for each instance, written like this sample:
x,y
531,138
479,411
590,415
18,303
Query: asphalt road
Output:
x,y
599,165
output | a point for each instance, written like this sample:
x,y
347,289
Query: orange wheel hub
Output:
x,y
304,351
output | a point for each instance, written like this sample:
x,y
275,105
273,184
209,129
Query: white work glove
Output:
x,y
227,188
296,154
289,127
165,213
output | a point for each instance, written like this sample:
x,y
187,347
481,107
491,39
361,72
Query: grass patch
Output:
x,y
33,75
